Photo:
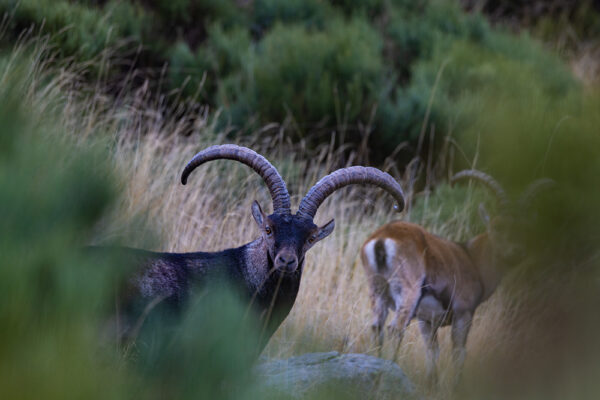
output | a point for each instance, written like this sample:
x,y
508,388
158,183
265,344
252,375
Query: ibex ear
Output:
x,y
325,230
483,214
257,213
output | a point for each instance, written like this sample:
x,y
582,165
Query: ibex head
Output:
x,y
288,236
505,233
507,230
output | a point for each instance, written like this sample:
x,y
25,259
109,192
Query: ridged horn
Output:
x,y
348,176
487,180
534,189
274,182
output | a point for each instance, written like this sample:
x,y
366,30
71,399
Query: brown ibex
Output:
x,y
266,270
440,282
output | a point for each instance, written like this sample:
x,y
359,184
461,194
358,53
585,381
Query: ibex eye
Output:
x,y
311,240
268,230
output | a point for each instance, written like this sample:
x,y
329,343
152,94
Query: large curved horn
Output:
x,y
533,190
276,185
344,177
486,179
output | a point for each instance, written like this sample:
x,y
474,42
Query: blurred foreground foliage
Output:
x,y
56,300
523,126
522,131
50,195
318,67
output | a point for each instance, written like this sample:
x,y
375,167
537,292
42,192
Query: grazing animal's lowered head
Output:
x,y
506,231
268,269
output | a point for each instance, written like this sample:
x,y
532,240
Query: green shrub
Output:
x,y
226,49
221,59
314,75
187,68
477,59
76,29
128,20
415,31
87,36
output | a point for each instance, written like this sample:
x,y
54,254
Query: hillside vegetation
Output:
x,y
368,69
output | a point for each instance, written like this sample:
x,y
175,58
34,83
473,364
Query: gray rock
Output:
x,y
357,376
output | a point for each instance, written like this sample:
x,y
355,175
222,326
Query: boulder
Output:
x,y
356,376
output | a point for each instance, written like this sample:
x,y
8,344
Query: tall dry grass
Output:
x,y
149,143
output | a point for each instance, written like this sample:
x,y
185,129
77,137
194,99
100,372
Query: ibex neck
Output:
x,y
483,257
272,292
256,264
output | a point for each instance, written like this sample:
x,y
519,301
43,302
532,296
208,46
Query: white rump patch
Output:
x,y
370,253
390,251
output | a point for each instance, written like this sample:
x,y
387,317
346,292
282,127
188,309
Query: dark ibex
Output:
x,y
268,269
440,282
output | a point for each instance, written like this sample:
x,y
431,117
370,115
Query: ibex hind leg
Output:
x,y
380,305
429,332
406,307
374,261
